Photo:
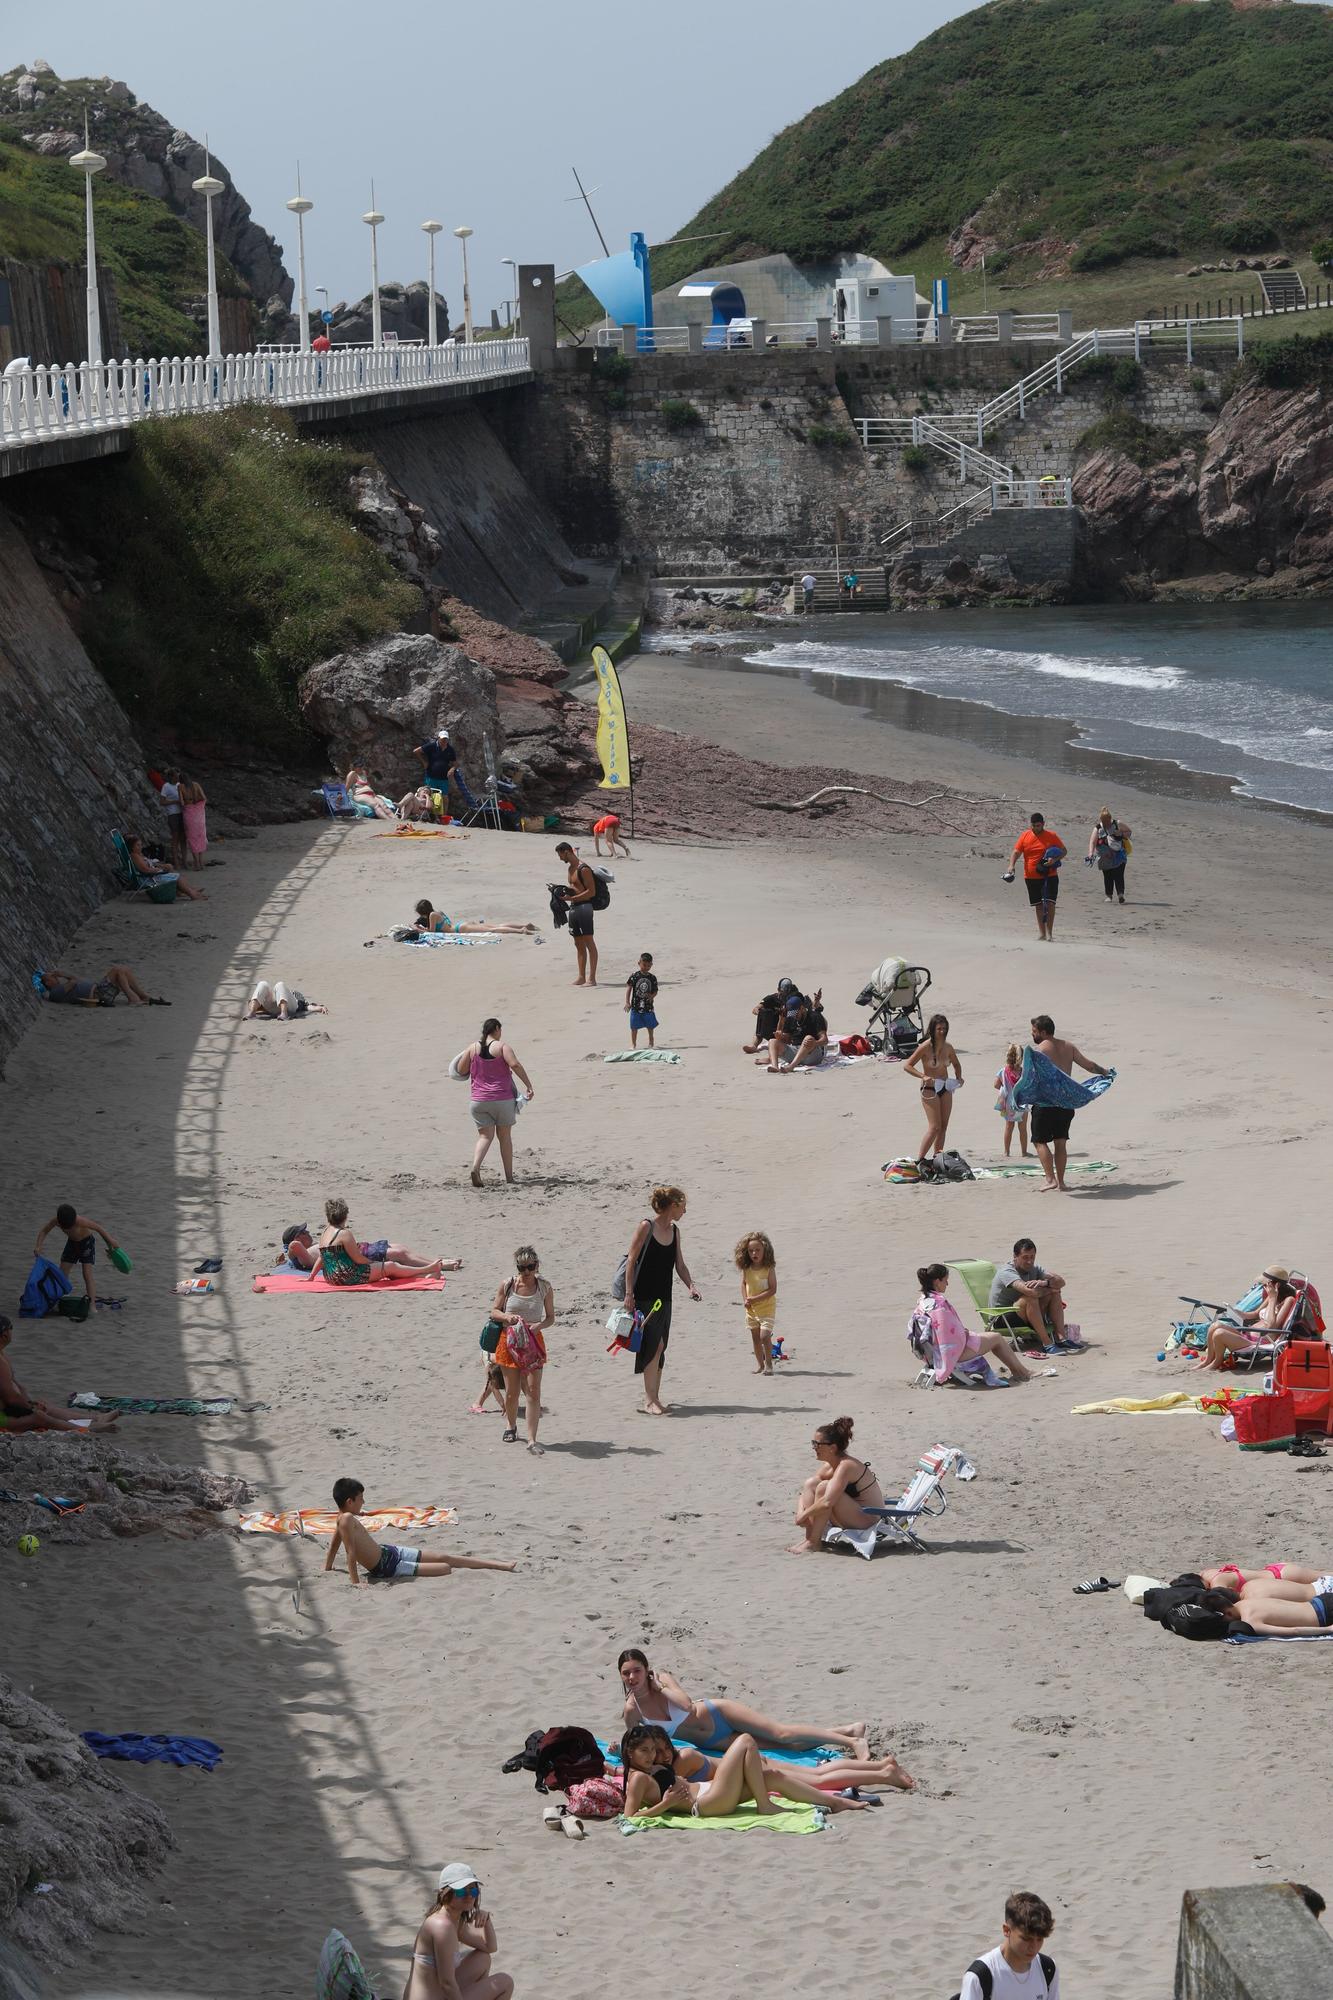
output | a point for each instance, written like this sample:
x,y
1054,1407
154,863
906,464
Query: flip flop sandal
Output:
x,y
866,1798
553,1818
509,1437
573,1829
1094,1586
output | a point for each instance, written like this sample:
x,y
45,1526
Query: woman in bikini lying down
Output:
x,y
710,1725
428,918
660,1778
1228,1577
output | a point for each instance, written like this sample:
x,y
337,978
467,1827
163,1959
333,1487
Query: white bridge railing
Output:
x,y
87,397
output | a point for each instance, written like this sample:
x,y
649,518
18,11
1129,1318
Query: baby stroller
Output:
x,y
894,995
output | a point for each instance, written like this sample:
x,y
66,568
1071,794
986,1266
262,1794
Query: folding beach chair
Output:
x,y
339,802
979,1276
157,888
923,1499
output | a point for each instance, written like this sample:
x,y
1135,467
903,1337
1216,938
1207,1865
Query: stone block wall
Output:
x,y
1040,545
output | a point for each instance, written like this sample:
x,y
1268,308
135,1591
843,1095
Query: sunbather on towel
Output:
x,y
1272,1616
1280,1583
389,1564
279,1002
430,919
659,1697
20,1411
838,1492
345,1260
659,1778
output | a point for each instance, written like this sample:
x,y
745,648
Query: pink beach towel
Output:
x,y
287,1281
323,1520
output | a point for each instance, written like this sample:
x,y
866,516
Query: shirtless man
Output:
x,y
1050,1124
391,1563
21,1412
582,889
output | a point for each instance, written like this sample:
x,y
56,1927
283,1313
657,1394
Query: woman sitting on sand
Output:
x,y
429,919
455,1943
363,792
1275,1311
838,1492
659,1778
346,1261
950,1342
21,1411
710,1725
646,1749
930,1063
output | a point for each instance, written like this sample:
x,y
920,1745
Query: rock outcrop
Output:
x,y
404,310
1255,500
121,1492
144,150
374,704
75,1844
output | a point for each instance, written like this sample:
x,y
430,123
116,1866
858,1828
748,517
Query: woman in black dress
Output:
x,y
651,1264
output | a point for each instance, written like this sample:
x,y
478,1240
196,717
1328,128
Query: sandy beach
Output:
x,y
1062,1744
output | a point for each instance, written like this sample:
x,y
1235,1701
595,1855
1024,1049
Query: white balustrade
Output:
x,y
88,397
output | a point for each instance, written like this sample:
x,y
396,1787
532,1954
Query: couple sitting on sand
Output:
x,y
657,1706
345,1260
792,1025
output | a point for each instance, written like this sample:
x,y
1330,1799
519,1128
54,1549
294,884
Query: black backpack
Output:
x,y
953,1167
565,1757
985,1978
601,898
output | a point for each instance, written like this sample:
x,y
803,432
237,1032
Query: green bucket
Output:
x,y
121,1261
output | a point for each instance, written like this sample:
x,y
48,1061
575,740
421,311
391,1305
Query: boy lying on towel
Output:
x,y
390,1564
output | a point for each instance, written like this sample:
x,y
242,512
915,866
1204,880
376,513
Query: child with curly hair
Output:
x,y
758,1266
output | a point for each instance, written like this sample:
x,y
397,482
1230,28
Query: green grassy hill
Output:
x,y
1121,139
157,259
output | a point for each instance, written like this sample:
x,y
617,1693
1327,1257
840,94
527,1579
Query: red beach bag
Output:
x,y
1265,1423
1305,1370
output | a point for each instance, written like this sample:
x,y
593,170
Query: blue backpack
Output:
x,y
46,1285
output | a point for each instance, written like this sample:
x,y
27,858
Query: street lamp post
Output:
x,y
513,293
89,163
462,233
300,206
210,187
373,218
432,230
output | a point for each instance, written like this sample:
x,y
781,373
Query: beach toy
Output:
x,y
28,1545
121,1261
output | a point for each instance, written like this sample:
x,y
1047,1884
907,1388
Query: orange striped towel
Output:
x,y
323,1520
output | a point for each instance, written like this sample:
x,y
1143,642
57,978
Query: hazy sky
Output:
x,y
475,111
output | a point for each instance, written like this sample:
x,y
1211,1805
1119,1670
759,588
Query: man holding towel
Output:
x,y
1051,1122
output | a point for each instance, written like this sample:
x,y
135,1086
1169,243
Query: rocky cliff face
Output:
x,y
1249,511
144,150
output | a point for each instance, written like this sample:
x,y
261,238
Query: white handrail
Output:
x,y
88,397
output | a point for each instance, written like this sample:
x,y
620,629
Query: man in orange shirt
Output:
x,y
1039,874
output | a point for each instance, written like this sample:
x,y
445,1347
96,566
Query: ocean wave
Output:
x,y
1109,672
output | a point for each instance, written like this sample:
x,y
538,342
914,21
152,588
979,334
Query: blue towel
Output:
x,y
1043,1082
46,1283
135,1749
810,1759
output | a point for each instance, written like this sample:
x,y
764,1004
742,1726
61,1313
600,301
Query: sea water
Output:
x,y
1241,695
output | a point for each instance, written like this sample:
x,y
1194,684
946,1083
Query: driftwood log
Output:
x,y
857,792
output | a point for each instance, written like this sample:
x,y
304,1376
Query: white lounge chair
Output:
x,y
923,1499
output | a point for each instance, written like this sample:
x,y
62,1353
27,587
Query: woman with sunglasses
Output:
x,y
1275,1311
455,1944
660,1778
524,1305
658,1697
838,1491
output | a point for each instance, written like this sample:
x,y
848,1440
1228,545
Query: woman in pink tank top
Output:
x,y
490,1066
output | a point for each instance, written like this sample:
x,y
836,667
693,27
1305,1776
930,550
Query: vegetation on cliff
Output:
x,y
157,260
228,564
1064,137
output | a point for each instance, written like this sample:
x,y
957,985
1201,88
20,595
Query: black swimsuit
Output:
x,y
866,1479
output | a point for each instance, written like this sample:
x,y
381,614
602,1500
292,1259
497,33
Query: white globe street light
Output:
x,y
462,233
373,219
89,163
300,206
432,230
210,187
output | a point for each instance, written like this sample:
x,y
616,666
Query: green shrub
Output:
x,y
1248,232
1293,363
915,458
829,437
616,399
1198,382
1144,443
677,415
1097,367
613,366
1321,253
1126,376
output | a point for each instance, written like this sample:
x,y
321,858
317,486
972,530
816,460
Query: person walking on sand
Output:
x,y
652,1262
930,1062
758,1266
524,1306
455,1943
1108,849
1013,1114
579,901
1018,1969
1042,851
490,1065
1051,1122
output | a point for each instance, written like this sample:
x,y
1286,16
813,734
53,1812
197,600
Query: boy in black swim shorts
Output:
x,y
80,1243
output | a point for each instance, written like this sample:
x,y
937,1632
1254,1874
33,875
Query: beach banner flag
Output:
x,y
612,732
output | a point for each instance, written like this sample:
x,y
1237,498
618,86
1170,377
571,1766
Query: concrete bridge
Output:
x,y
55,416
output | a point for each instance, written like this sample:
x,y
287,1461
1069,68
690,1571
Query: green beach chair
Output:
x,y
979,1276
157,888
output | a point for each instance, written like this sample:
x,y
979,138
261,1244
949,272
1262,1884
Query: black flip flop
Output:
x,y
509,1437
1094,1585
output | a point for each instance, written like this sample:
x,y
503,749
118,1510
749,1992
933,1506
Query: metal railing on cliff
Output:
x,y
38,404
